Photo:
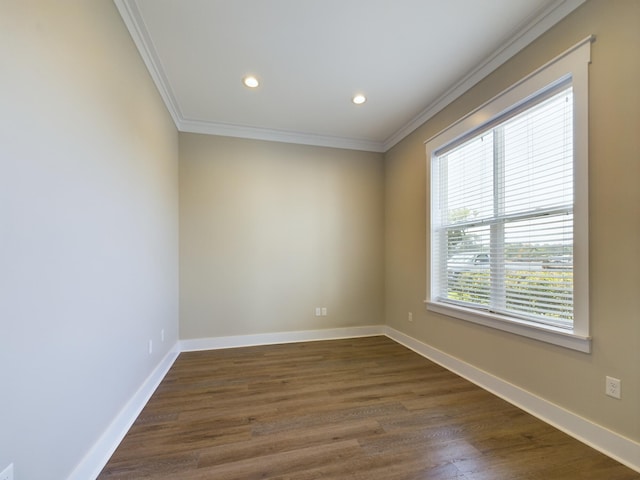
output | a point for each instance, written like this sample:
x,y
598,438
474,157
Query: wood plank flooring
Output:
x,y
363,408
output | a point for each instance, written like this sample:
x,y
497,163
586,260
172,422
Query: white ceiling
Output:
x,y
409,57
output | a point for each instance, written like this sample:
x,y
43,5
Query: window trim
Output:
x,y
573,63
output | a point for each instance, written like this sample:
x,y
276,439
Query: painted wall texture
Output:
x,y
114,226
569,379
269,231
89,229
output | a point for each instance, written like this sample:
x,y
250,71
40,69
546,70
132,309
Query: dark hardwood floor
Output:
x,y
363,408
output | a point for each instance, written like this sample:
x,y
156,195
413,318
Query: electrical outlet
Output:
x,y
7,473
150,349
324,311
612,387
410,317
162,335
318,311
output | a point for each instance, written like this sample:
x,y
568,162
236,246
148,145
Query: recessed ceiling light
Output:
x,y
359,99
250,81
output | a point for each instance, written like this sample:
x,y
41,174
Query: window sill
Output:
x,y
543,333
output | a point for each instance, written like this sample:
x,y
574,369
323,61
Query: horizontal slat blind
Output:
x,y
504,219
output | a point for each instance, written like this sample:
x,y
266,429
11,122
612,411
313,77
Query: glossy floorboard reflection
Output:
x,y
363,408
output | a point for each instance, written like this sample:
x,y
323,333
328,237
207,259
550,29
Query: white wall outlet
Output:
x,y
318,311
162,335
410,317
150,347
324,311
612,387
7,473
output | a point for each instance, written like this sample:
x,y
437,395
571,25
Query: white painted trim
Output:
x,y
526,35
622,449
216,343
523,37
543,333
98,456
132,18
133,21
573,63
256,133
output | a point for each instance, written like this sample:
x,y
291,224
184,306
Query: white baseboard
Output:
x,y
95,460
622,449
216,343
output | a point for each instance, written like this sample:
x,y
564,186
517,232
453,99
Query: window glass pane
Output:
x,y
509,208
538,156
506,208
468,271
539,268
470,180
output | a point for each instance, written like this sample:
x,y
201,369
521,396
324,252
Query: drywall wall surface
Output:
x,y
89,230
270,231
572,380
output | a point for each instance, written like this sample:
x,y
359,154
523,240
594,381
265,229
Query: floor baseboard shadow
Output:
x,y
612,444
98,456
237,341
622,449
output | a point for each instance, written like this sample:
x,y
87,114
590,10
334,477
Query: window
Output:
x,y
509,236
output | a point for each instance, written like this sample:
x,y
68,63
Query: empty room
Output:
x,y
320,239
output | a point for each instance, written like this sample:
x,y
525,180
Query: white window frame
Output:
x,y
572,64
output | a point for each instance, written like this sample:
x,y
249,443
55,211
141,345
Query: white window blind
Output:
x,y
509,208
504,207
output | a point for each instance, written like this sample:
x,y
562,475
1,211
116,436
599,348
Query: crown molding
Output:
x,y
132,18
130,13
542,22
525,35
256,133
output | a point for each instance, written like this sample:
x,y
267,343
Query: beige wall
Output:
x,y
88,230
570,379
269,231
